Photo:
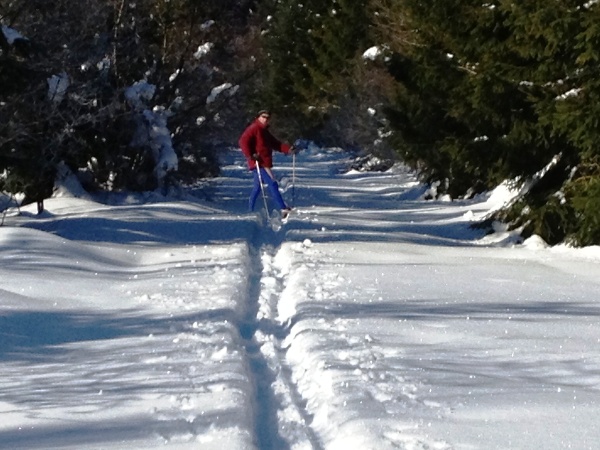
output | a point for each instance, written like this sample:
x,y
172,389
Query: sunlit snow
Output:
x,y
372,319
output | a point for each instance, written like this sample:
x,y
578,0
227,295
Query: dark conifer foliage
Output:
x,y
314,70
501,90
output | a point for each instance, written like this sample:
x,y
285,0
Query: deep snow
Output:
x,y
372,319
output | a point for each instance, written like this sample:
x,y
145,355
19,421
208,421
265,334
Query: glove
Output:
x,y
300,144
294,150
255,157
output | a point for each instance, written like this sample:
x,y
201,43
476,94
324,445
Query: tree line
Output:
x,y
96,50
468,94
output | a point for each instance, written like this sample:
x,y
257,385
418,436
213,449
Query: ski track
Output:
x,y
281,421
293,380
295,385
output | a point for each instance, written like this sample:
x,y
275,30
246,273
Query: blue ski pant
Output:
x,y
273,189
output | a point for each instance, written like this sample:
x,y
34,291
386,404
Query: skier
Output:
x,y
257,144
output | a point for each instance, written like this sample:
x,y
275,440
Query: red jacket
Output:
x,y
257,139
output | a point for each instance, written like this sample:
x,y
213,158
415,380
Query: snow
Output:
x,y
207,25
372,319
203,50
139,94
11,34
570,93
152,129
372,53
218,90
57,87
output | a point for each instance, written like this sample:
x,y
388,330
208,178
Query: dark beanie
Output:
x,y
263,111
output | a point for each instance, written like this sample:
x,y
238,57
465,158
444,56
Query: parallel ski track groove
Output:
x,y
266,405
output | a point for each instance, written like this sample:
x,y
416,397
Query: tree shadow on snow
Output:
x,y
428,310
123,432
41,335
195,230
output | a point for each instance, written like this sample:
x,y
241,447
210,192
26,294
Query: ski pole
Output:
x,y
262,189
294,178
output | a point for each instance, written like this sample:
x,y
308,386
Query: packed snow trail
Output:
x,y
371,320
280,420
447,332
262,336
261,375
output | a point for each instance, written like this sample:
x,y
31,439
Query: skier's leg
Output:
x,y
274,189
255,190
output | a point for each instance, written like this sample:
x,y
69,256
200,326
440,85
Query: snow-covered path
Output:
x,y
371,320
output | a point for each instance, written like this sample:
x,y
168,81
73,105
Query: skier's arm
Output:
x,y
276,144
247,143
285,148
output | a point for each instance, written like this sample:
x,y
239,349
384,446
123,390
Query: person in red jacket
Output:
x,y
257,144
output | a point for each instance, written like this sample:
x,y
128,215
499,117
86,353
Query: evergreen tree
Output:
x,y
103,47
290,52
574,113
498,90
312,53
341,35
